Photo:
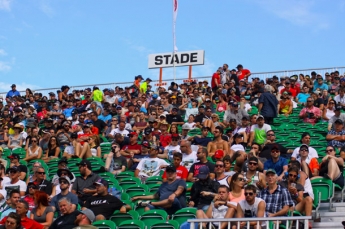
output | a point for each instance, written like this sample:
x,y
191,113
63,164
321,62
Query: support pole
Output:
x,y
190,72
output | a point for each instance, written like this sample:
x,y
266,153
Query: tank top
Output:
x,y
15,141
329,113
33,153
250,211
94,151
254,179
223,181
218,213
236,199
51,152
308,188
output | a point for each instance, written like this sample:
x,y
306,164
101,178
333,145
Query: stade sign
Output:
x,y
187,58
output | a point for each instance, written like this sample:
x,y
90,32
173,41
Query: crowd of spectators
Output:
x,y
213,151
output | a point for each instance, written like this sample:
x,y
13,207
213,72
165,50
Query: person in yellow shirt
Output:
x,y
143,86
97,95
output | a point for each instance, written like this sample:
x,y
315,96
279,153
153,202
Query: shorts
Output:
x,y
340,180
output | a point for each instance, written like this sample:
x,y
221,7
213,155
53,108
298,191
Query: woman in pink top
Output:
x,y
222,105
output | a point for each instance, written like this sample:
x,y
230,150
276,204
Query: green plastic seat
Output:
x,y
126,182
125,174
184,214
136,188
154,180
104,224
153,188
325,187
131,224
171,224
149,217
119,217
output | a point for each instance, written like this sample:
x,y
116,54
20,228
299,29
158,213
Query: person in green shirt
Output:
x,y
97,95
143,86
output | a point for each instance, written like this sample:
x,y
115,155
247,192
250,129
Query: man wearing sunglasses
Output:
x,y
253,176
251,207
15,183
65,183
278,163
14,159
115,162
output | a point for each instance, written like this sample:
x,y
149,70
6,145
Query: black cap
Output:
x,y
69,173
15,168
130,104
170,168
14,156
275,147
253,159
85,162
101,181
63,160
304,146
239,66
339,121
33,184
147,131
13,85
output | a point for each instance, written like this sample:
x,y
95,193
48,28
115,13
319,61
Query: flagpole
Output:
x,y
175,8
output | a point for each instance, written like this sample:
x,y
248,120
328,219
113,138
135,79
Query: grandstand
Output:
x,y
328,203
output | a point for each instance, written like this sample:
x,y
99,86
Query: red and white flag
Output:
x,y
175,8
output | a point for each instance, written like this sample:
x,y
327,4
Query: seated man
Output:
x,y
251,207
181,171
258,131
302,204
310,113
195,168
216,210
278,163
201,140
203,190
332,167
115,162
151,166
336,136
218,142
103,204
277,198
171,195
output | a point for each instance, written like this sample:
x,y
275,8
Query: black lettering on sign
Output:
x,y
184,58
166,59
194,57
176,60
158,60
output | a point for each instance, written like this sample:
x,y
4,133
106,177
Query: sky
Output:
x,y
49,43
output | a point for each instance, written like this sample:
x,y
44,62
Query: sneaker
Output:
x,y
143,203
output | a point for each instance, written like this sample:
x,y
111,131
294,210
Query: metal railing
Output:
x,y
271,222
261,75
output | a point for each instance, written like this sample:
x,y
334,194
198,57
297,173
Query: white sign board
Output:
x,y
187,58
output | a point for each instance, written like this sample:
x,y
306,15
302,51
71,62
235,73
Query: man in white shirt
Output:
x,y
151,166
15,182
188,156
111,97
120,130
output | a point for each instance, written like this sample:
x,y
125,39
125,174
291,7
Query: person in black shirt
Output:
x,y
200,117
103,204
174,118
195,168
201,140
66,221
100,124
43,184
201,193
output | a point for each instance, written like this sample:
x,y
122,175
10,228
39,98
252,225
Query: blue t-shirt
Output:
x,y
302,97
105,118
322,86
55,200
165,190
12,93
278,166
270,102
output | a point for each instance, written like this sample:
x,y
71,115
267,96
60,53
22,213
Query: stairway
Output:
x,y
330,216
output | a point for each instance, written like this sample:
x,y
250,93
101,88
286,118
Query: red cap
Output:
x,y
133,133
219,154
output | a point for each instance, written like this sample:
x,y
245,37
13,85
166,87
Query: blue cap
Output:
x,y
203,172
120,100
155,96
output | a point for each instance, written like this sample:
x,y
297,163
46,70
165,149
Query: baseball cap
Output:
x,y
15,168
203,172
65,178
85,162
170,168
130,104
33,184
133,134
13,85
101,181
275,147
218,154
163,115
63,160
339,121
338,108
304,146
271,171
154,96
147,131
145,144
151,119
259,116
14,156
185,127
253,159
89,214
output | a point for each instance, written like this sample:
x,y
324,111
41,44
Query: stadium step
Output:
x,y
331,218
333,225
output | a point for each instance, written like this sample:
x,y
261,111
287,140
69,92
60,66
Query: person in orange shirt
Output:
x,y
309,165
137,81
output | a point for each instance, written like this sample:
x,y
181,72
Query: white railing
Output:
x,y
271,222
261,75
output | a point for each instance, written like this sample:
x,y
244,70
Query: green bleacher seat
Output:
x,y
104,224
133,189
125,174
154,180
149,217
126,182
171,224
184,214
118,217
131,224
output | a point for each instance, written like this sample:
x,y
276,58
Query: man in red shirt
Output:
x,y
129,151
215,82
242,73
288,88
294,86
22,208
165,137
181,171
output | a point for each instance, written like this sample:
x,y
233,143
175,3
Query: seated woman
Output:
x,y
239,143
34,151
222,106
285,104
308,165
332,167
93,148
53,150
42,213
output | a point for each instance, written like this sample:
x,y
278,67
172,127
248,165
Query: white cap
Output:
x,y
185,127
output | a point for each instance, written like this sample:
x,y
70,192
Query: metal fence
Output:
x,y
270,222
261,75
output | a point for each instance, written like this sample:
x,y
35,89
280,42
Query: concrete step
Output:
x,y
331,214
332,225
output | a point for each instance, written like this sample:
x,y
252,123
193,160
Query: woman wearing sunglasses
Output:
x,y
34,151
